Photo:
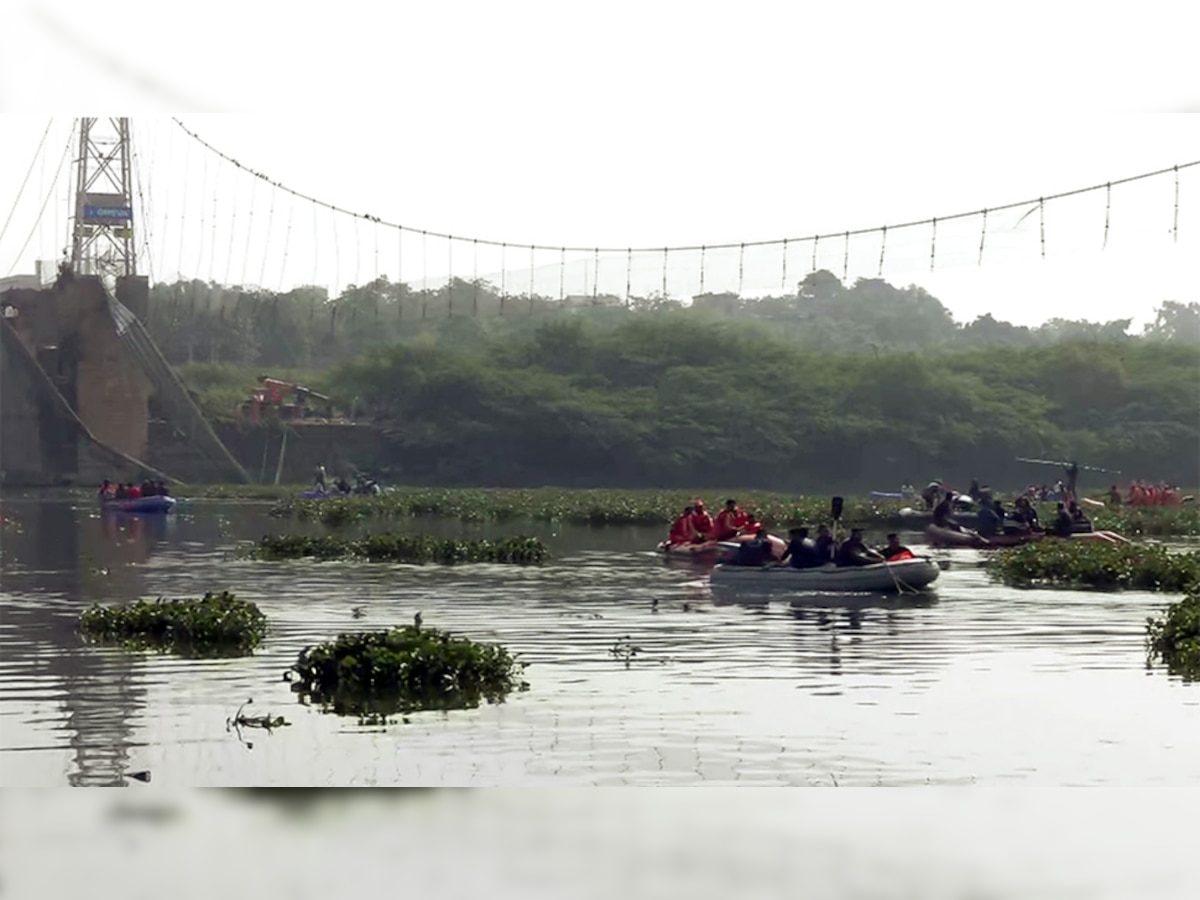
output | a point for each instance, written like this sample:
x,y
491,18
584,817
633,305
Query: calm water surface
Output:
x,y
972,684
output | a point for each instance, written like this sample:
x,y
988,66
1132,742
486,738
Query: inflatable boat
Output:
x,y
140,505
905,574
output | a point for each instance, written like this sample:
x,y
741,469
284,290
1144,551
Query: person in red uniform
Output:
x,y
726,524
133,492
702,521
683,529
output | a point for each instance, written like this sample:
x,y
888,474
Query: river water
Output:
x,y
973,684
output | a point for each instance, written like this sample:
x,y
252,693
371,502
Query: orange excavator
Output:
x,y
286,399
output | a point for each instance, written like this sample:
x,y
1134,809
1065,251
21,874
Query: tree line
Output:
x,y
672,401
832,388
304,328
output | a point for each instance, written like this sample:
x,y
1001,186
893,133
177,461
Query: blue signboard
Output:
x,y
107,213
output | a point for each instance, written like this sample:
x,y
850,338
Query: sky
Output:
x,y
622,124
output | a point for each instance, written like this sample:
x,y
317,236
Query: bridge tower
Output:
x,y
102,235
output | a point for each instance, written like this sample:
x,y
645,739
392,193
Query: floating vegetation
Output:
x,y
1096,566
1141,521
1174,638
582,507
215,625
248,491
400,548
376,674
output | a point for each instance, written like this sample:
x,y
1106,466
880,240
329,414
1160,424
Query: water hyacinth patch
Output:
x,y
405,670
398,548
215,625
1097,566
580,507
1174,638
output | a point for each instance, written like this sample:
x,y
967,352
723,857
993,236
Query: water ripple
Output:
x,y
973,683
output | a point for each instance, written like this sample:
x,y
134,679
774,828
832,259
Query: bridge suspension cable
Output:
x,y
49,194
1034,203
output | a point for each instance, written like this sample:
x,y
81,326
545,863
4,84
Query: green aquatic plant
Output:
x,y
215,625
1174,637
1096,566
579,507
400,548
1148,521
376,674
247,491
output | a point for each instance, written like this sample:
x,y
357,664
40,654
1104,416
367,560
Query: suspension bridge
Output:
x,y
109,208
197,211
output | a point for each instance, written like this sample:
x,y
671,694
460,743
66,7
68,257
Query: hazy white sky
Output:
x,y
624,124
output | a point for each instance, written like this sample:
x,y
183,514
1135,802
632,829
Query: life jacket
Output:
x,y
682,530
726,524
702,522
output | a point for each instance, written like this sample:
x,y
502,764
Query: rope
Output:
x,y
854,232
20,191
137,177
57,172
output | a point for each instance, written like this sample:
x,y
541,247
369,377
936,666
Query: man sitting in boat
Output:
x,y
801,552
683,529
107,490
987,523
1064,525
895,551
702,521
942,517
1081,523
729,522
1024,514
931,494
825,545
756,552
1008,524
853,552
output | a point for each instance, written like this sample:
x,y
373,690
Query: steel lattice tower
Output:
x,y
102,237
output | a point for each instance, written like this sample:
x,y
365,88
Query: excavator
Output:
x,y
287,399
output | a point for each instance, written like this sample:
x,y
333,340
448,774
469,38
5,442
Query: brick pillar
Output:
x,y
112,392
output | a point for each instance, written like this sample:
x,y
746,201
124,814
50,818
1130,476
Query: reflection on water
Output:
x,y
969,683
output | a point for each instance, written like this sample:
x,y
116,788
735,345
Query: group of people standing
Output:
x,y
1140,494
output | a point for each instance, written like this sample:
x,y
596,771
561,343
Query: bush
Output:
x,y
401,548
580,507
1174,638
405,670
216,625
1097,566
